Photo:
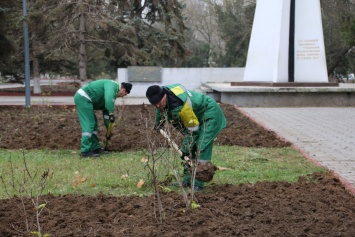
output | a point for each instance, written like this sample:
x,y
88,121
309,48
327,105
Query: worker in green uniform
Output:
x,y
196,115
97,95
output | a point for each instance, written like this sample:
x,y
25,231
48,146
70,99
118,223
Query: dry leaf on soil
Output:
x,y
140,183
79,180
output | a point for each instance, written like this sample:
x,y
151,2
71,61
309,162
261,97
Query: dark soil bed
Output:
x,y
319,208
316,205
45,127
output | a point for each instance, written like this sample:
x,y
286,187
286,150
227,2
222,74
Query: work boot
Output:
x,y
89,154
101,151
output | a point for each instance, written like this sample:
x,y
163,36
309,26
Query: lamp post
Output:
x,y
27,57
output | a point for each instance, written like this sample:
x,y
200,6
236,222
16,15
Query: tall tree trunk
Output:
x,y
35,62
82,48
36,79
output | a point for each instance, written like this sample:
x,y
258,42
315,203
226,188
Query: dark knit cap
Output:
x,y
127,86
154,94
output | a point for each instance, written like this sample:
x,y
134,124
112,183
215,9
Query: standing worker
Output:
x,y
196,115
97,95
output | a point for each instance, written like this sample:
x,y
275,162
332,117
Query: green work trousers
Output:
x,y
202,149
205,154
88,123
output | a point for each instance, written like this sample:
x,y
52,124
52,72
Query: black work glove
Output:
x,y
183,155
111,117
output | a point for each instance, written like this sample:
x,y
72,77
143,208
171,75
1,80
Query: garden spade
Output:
x,y
205,169
108,135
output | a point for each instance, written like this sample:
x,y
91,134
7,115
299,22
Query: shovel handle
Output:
x,y
108,134
109,128
173,144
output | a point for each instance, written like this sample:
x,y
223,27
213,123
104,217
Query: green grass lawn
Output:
x,y
118,173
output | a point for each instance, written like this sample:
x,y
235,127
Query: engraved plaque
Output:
x,y
144,74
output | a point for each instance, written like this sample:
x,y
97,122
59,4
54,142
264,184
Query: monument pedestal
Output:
x,y
268,95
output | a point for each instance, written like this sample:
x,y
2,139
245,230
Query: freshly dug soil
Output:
x,y
57,127
316,205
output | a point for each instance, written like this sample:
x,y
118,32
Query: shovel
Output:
x,y
108,135
205,169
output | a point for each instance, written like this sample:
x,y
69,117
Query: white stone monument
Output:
x,y
268,53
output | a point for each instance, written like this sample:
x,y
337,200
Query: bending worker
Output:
x,y
97,95
196,115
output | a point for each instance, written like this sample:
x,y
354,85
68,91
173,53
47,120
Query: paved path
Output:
x,y
325,135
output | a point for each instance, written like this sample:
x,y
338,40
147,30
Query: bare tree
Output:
x,y
36,29
223,26
203,29
235,18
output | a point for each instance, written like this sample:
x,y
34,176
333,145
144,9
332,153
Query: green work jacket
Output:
x,y
196,115
103,94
